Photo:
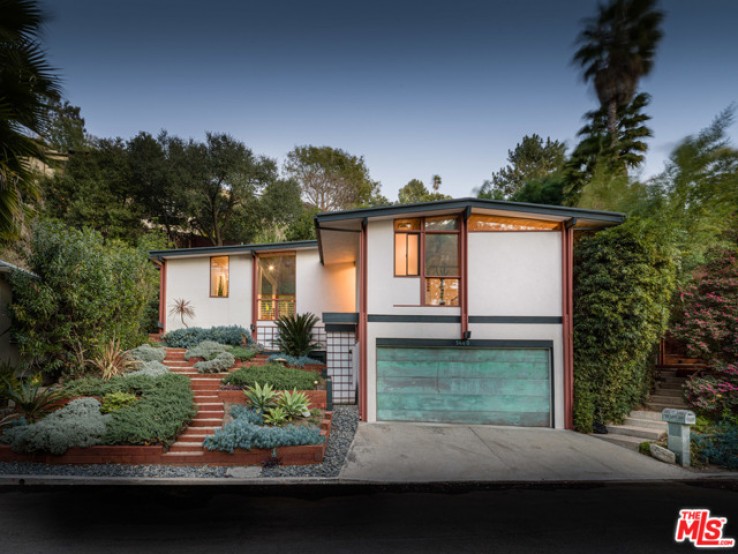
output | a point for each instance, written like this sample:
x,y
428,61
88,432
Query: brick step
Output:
x,y
207,422
641,432
210,406
202,385
676,401
663,391
645,414
625,441
208,376
209,415
645,423
206,398
197,433
175,356
186,447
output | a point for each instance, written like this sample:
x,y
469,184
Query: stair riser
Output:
x,y
177,448
676,400
645,434
675,393
643,414
649,423
206,422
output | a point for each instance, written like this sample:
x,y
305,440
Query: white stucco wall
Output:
x,y
319,288
8,352
515,274
189,278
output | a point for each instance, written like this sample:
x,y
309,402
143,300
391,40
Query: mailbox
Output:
x,y
679,441
683,417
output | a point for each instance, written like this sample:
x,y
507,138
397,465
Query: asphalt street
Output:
x,y
509,518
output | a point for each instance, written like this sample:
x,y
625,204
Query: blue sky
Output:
x,y
416,87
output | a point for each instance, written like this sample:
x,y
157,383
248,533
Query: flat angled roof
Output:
x,y
233,249
613,218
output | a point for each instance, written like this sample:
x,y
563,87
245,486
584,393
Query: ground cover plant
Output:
x,y
294,361
281,378
164,407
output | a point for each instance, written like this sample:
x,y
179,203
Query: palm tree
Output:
x,y
27,83
617,49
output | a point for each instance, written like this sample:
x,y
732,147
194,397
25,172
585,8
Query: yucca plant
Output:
x,y
296,334
295,404
261,397
30,399
113,360
183,309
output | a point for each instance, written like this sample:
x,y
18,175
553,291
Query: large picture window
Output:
x,y
219,276
429,248
275,276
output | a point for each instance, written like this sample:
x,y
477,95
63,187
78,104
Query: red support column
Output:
x,y
463,285
363,320
163,297
254,298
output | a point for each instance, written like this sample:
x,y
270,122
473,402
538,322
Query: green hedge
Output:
x,y
281,378
164,408
624,280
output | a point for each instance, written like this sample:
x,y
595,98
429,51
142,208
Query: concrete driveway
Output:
x,y
415,452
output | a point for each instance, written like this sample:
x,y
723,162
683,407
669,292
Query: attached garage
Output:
x,y
473,383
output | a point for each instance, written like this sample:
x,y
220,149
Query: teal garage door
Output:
x,y
494,386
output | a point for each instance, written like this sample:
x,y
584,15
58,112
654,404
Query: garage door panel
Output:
x,y
502,386
518,419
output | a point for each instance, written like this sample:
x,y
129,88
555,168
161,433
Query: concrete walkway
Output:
x,y
409,452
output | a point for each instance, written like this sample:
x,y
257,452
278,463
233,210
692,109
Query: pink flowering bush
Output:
x,y
709,316
715,394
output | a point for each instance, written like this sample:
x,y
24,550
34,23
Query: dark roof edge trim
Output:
x,y
237,248
461,203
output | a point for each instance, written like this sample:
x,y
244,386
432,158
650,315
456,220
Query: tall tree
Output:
x,y
532,159
416,191
226,176
617,48
26,83
64,130
331,178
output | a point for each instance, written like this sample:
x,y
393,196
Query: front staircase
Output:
x,y
645,423
210,410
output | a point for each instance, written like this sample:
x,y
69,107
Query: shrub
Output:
x,y
221,362
112,360
294,361
623,283
715,394
242,353
185,338
164,407
30,399
79,423
85,293
150,369
242,432
148,353
295,336
114,401
281,378
709,310
261,397
251,415
206,349
720,447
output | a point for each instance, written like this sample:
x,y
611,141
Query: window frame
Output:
x,y
228,277
422,276
257,286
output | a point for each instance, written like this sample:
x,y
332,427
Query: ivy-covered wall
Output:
x,y
624,279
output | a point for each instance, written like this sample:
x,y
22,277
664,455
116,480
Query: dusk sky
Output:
x,y
417,88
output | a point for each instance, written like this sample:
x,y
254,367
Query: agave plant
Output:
x,y
30,399
113,360
295,404
295,334
276,416
261,397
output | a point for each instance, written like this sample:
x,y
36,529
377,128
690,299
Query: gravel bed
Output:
x,y
343,428
345,421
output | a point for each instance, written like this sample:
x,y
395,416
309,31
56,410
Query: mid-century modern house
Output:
x,y
454,311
